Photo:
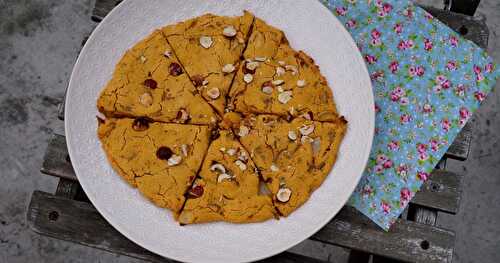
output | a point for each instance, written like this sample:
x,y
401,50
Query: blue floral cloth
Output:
x,y
427,81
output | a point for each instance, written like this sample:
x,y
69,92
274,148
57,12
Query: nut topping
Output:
x,y
260,59
301,83
280,71
184,149
143,59
206,42
228,68
306,129
167,53
231,152
174,160
285,96
274,168
252,65
213,93
267,89
244,130
146,99
229,31
306,139
292,135
283,195
248,78
223,177
241,165
218,167
282,63
292,68
278,82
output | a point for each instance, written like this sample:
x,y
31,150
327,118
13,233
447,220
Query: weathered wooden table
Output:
x,y
68,215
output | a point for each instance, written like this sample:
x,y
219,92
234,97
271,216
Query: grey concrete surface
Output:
x,y
39,42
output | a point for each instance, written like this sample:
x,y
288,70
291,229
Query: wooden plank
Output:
x,y
60,218
460,148
67,188
472,28
102,8
406,240
467,7
442,192
56,160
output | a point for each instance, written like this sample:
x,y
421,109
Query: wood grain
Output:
x,y
56,161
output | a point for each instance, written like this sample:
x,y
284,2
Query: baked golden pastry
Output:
x,y
219,119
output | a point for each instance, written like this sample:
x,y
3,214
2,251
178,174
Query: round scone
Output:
x,y
220,119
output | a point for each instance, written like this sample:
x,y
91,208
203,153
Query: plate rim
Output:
x,y
122,230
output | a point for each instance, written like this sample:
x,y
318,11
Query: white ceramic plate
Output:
x,y
309,26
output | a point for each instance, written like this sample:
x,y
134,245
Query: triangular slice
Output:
x,y
209,48
160,159
149,82
293,157
275,79
228,187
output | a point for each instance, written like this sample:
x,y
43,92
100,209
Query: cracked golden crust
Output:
x,y
282,162
146,60
207,63
235,200
293,164
315,97
133,155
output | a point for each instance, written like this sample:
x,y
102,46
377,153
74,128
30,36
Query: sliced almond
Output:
x,y
241,165
228,68
143,59
252,65
184,149
301,83
280,71
282,63
146,99
229,31
174,160
223,177
285,96
167,53
218,167
248,78
204,82
280,89
260,59
182,115
292,135
213,93
306,139
306,129
206,42
306,116
284,194
231,152
278,82
274,168
292,68
243,156
244,130
267,89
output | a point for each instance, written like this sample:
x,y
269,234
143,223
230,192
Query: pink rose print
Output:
x,y
427,108
378,76
379,169
428,45
446,84
375,34
406,44
443,81
477,69
421,148
404,101
489,67
423,156
397,93
437,88
464,115
405,118
351,23
460,90
341,11
370,59
408,13
393,146
453,41
405,195
398,29
367,191
377,108
451,65
381,158
388,164
386,7
480,96
422,176
386,207
428,16
376,42
394,66
420,71
445,125
479,77
434,145
402,170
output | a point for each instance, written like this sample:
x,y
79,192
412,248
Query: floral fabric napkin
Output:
x,y
427,81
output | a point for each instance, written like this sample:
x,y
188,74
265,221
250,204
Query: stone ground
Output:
x,y
39,42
